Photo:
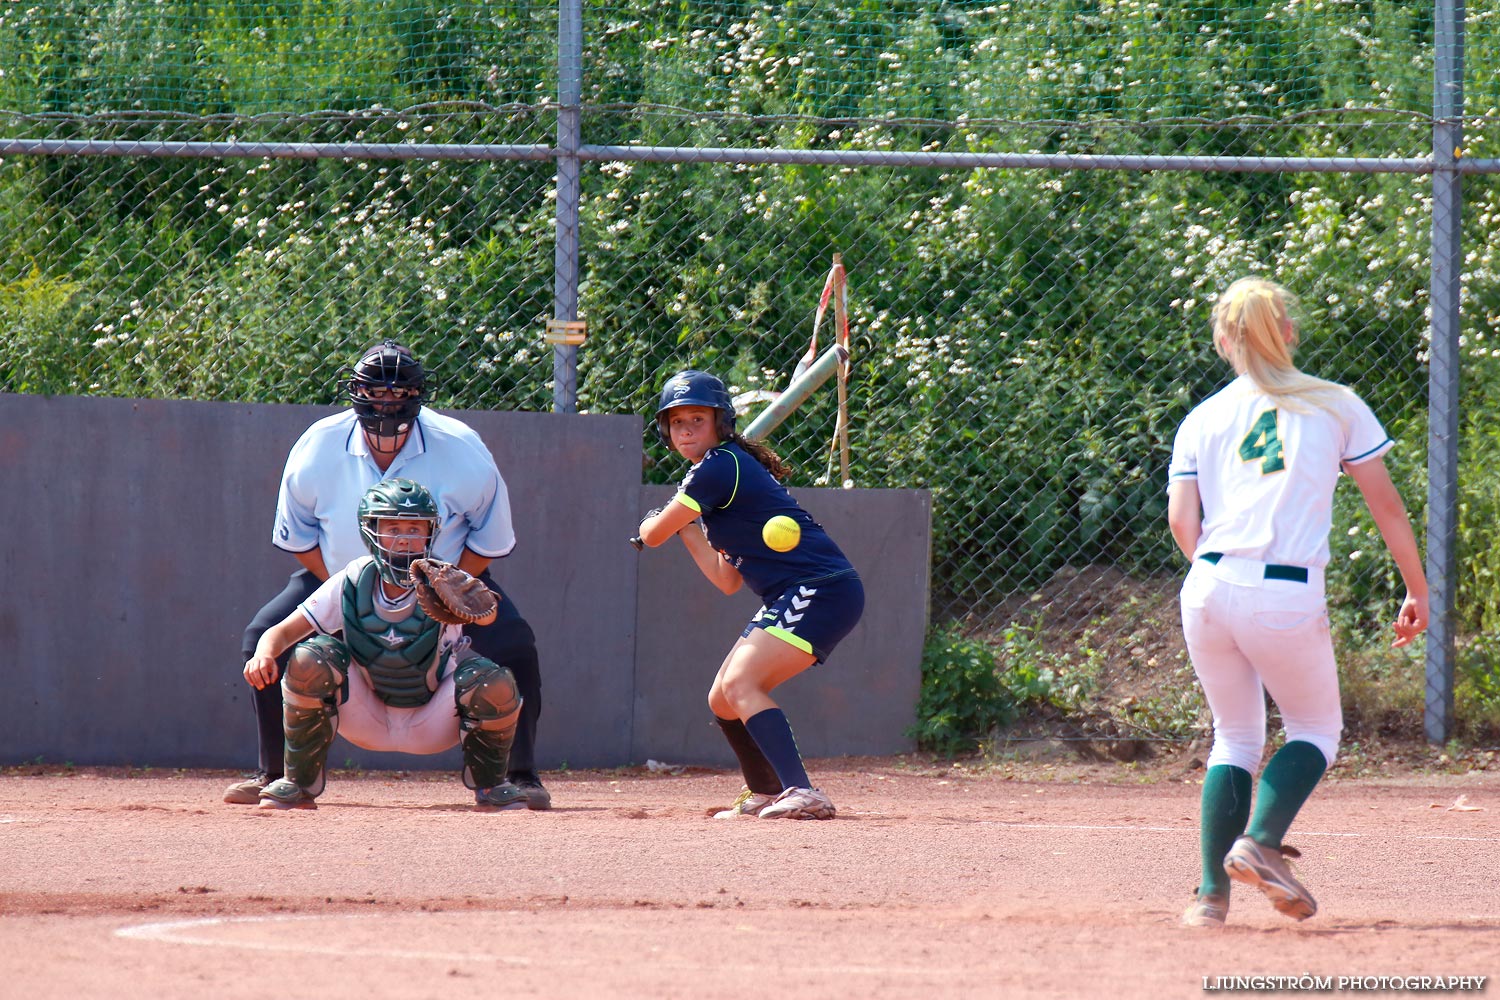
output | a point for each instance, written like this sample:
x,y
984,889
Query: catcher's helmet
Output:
x,y
404,500
694,388
392,367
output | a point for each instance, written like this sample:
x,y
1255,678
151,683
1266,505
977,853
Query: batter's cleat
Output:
x,y
1207,912
284,793
537,797
748,804
247,792
1266,869
799,803
505,795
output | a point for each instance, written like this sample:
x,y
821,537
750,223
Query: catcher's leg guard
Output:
x,y
488,707
310,688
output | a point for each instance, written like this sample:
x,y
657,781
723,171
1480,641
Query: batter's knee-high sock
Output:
x,y
1289,778
773,734
760,776
1226,808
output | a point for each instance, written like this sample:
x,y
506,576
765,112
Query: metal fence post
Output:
x,y
565,256
1446,358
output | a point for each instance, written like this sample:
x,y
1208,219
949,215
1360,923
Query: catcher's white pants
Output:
x,y
1245,633
368,722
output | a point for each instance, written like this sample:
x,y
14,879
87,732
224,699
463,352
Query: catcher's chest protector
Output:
x,y
396,655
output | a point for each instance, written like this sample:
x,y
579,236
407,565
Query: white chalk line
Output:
x,y
180,932
183,932
187,931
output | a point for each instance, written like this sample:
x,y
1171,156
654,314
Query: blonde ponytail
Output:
x,y
1253,331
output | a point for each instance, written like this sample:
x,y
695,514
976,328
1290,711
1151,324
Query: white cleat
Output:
x,y
799,803
748,804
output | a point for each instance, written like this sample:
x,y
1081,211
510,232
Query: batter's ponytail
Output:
x,y
1253,330
762,453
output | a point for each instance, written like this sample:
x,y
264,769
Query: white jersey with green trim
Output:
x,y
1266,473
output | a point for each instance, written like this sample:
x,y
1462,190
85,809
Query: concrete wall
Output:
x,y
140,546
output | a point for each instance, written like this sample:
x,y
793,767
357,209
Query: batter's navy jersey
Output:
x,y
736,496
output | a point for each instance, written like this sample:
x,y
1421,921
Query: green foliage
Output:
x,y
973,686
1478,556
1026,342
36,307
1476,692
202,58
962,698
1381,688
970,688
1063,60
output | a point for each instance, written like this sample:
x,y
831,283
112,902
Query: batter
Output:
x,y
812,597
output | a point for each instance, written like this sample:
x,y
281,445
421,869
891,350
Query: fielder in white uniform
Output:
x,y
1250,502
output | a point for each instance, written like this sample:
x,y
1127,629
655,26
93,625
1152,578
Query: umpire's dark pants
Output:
x,y
508,641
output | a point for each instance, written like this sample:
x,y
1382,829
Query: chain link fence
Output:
x,y
224,202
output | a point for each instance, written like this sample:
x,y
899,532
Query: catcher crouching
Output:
x,y
389,667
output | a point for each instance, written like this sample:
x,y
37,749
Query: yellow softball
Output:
x,y
781,533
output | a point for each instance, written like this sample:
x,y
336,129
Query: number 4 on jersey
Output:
x,y
1264,442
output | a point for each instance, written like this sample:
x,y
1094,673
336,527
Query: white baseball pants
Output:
x,y
368,722
1247,635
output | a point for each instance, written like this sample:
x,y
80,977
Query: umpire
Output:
x,y
387,433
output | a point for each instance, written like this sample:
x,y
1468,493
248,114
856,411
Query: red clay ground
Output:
x,y
934,881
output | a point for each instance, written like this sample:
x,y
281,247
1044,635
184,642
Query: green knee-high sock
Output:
x,y
1226,807
1289,778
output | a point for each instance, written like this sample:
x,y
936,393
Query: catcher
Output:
x,y
390,668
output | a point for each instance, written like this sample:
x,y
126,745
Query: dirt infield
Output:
x,y
933,882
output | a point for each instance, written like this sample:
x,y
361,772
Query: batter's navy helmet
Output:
x,y
694,388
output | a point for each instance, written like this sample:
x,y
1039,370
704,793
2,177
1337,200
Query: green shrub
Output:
x,y
971,688
1476,690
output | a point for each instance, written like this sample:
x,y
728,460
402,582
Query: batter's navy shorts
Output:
x,y
813,616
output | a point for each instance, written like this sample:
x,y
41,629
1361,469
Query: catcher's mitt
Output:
x,y
449,595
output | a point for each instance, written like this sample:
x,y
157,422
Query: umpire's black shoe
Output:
x,y
537,797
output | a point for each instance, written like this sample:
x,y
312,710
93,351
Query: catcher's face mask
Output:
x,y
397,542
398,520
403,534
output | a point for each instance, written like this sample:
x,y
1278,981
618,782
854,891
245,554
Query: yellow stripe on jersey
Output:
x,y
689,502
736,491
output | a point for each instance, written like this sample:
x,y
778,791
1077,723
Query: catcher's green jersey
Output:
x,y
401,658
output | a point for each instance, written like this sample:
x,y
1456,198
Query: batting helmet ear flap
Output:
x,y
726,424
